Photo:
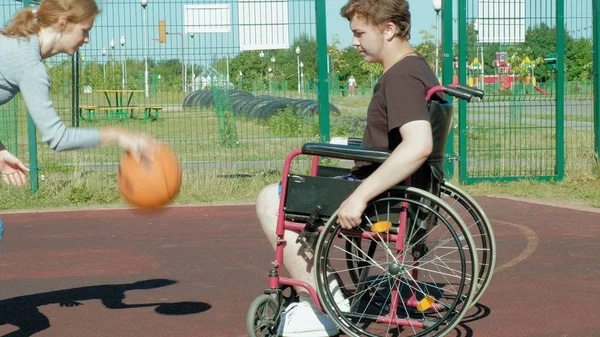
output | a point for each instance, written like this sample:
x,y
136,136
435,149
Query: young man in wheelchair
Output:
x,y
397,121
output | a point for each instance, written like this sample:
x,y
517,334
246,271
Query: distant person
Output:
x,y
57,27
351,85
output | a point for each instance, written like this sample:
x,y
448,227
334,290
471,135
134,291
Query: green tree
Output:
x,y
427,46
578,60
350,64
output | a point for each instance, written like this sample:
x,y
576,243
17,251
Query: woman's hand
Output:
x,y
141,146
13,170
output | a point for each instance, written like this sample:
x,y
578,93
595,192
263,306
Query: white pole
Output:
x,y
124,79
193,78
183,69
298,61
146,85
227,71
123,74
193,86
104,63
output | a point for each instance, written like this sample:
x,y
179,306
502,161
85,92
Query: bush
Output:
x,y
287,123
348,126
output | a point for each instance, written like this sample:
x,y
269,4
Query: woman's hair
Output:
x,y
379,12
29,21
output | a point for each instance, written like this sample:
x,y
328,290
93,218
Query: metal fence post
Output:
x,y
32,141
560,89
596,75
75,89
462,78
322,70
447,78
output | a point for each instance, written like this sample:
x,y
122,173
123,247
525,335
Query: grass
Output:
x,y
574,190
217,173
83,189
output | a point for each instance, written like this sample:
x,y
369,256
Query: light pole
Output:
x,y
270,79
273,73
104,63
262,56
144,4
124,79
112,47
302,74
298,62
437,6
193,66
273,61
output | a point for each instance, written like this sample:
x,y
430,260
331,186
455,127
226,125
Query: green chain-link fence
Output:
x,y
234,86
9,131
534,61
213,80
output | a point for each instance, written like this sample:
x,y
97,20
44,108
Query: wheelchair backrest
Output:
x,y
440,114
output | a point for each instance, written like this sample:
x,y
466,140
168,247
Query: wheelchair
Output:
x,y
413,267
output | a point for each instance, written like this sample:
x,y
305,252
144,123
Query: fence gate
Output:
x,y
515,50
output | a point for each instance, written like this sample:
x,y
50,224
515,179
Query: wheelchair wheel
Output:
x,y
263,317
481,231
412,279
478,224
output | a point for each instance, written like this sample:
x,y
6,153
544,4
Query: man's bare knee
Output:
x,y
267,202
267,206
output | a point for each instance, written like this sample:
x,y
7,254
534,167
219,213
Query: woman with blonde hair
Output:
x,y
33,35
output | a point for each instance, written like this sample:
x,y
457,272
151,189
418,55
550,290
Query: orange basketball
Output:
x,y
150,184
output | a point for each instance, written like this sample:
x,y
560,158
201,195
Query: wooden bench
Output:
x,y
91,112
150,111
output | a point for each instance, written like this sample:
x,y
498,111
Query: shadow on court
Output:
x,y
23,311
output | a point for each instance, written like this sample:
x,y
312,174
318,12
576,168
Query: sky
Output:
x,y
421,9
125,18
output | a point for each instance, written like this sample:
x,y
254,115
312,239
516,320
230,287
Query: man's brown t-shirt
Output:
x,y
398,98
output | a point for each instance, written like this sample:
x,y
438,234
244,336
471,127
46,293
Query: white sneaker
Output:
x,y
300,319
342,302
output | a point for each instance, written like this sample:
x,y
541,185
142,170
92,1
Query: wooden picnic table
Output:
x,y
119,104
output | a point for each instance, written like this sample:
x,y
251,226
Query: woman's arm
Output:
x,y
35,87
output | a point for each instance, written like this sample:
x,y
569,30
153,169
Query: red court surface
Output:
x,y
194,271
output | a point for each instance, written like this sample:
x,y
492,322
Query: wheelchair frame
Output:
x,y
310,223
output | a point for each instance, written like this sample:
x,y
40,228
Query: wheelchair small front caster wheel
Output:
x,y
263,317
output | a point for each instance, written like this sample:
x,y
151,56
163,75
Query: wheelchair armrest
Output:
x,y
350,152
